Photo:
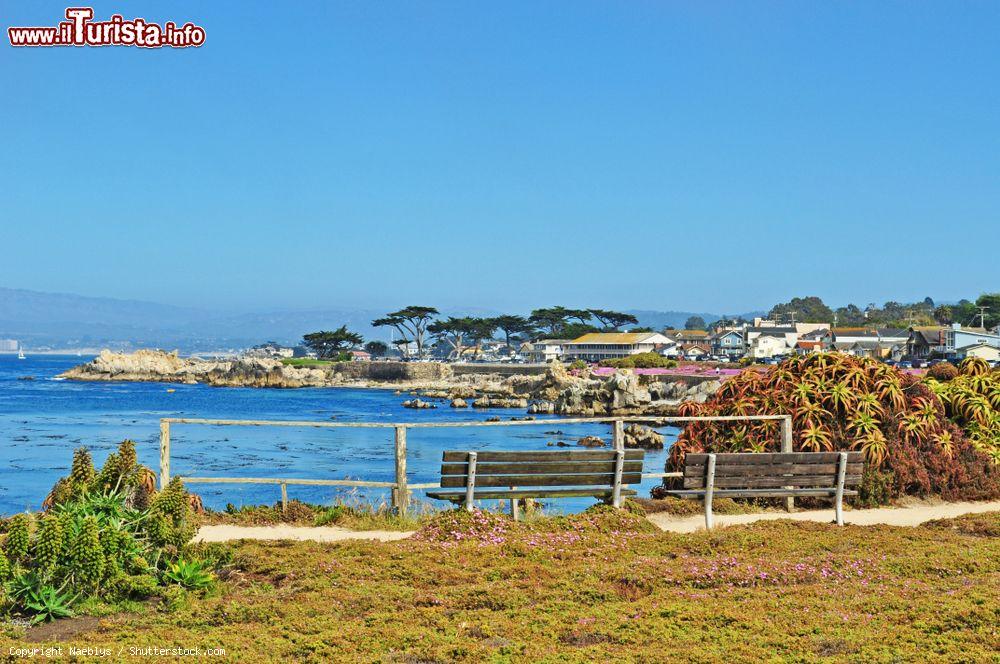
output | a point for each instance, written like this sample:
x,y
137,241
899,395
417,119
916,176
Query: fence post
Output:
x,y
786,448
164,454
401,495
284,497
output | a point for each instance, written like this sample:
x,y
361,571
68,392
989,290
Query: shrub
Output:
x,y
899,422
641,361
578,365
943,371
190,574
98,539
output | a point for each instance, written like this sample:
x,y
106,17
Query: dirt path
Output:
x,y
909,515
912,514
224,533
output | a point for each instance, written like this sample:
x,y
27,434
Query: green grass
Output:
x,y
600,586
305,362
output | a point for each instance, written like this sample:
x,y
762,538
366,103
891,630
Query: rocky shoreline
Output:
x,y
556,391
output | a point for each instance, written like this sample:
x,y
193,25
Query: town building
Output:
x,y
9,346
982,351
877,343
728,343
543,351
957,338
598,346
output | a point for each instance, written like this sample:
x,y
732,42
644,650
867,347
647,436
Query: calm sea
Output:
x,y
43,420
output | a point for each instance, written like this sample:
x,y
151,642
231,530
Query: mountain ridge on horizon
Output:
x,y
66,320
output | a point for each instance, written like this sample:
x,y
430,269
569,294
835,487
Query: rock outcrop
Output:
x,y
642,437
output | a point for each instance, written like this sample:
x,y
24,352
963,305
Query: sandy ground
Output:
x,y
225,533
912,514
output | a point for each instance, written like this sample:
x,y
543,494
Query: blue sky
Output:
x,y
693,156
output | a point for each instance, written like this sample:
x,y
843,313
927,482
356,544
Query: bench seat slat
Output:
x,y
498,494
805,481
748,470
605,479
567,467
544,456
727,458
759,493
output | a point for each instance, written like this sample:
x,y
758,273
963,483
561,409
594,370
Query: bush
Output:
x,y
578,365
641,361
943,372
105,535
918,437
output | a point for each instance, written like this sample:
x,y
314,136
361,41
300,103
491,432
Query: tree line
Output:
x,y
418,326
892,314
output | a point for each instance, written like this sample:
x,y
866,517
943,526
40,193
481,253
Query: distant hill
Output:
x,y
60,320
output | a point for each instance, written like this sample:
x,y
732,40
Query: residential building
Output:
x,y
598,346
982,351
878,343
695,351
926,341
688,336
764,342
9,345
728,342
957,337
360,356
544,350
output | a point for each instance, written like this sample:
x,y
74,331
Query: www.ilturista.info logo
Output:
x,y
80,30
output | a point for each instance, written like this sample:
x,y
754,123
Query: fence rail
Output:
x,y
401,488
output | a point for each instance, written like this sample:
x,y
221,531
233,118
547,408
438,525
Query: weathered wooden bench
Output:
x,y
470,476
771,475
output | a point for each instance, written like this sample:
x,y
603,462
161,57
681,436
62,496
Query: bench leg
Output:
x,y
839,502
470,482
514,511
709,490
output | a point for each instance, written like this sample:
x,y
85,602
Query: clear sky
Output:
x,y
695,156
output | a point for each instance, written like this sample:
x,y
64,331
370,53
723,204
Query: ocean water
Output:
x,y
43,420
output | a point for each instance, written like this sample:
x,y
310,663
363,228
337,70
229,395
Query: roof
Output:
x,y
687,334
614,337
931,335
854,332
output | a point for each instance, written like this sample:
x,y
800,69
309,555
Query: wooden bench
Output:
x,y
771,475
471,476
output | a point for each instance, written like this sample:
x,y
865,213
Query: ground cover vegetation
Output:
x,y
602,585
919,436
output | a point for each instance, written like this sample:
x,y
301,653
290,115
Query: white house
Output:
x,y
598,346
544,350
982,351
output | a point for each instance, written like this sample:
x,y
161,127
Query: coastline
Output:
x,y
552,389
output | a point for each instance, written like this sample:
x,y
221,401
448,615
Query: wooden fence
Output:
x,y
401,488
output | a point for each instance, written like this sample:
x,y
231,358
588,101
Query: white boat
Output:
x,y
20,353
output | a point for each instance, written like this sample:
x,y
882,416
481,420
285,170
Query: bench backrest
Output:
x,y
531,469
772,470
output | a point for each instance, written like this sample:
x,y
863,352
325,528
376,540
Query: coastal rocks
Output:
x,y
541,408
591,441
418,404
499,402
459,403
641,437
